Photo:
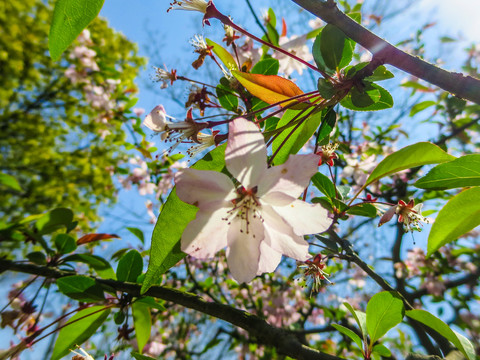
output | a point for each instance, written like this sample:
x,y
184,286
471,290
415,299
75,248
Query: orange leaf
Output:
x,y
95,237
269,88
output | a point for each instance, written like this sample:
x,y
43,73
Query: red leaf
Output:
x,y
85,239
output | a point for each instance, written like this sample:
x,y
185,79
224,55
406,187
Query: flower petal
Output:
x,y
246,153
206,234
243,252
269,259
280,237
156,119
305,218
290,178
204,188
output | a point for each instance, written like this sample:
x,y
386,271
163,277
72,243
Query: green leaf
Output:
x,y
82,288
324,184
459,215
347,332
65,243
360,317
130,266
54,220
411,156
138,233
461,172
151,302
267,66
142,322
37,257
421,106
335,48
9,181
443,329
78,329
225,57
325,88
379,74
365,209
381,350
165,250
298,138
358,102
227,98
101,266
384,311
70,17
138,356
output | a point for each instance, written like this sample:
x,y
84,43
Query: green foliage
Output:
x,y
70,17
460,215
418,154
461,172
370,98
50,135
130,266
384,311
165,250
291,140
443,329
142,322
267,66
332,50
81,288
79,328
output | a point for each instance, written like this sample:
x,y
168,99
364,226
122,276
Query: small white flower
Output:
x,y
84,355
296,46
262,218
189,5
164,76
204,141
176,132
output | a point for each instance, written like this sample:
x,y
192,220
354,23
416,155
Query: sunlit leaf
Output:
x,y
269,88
421,106
82,288
461,172
376,98
78,329
292,139
70,17
324,184
225,57
350,334
384,311
142,322
460,215
411,156
130,266
443,329
360,318
53,220
267,66
65,243
9,181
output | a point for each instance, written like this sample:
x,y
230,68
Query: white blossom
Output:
x,y
257,221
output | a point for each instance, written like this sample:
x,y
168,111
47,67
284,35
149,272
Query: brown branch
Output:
x,y
285,342
465,87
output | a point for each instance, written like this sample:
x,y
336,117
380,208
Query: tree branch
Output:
x,y
285,342
465,87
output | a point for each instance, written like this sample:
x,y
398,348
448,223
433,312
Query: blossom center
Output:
x,y
246,208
